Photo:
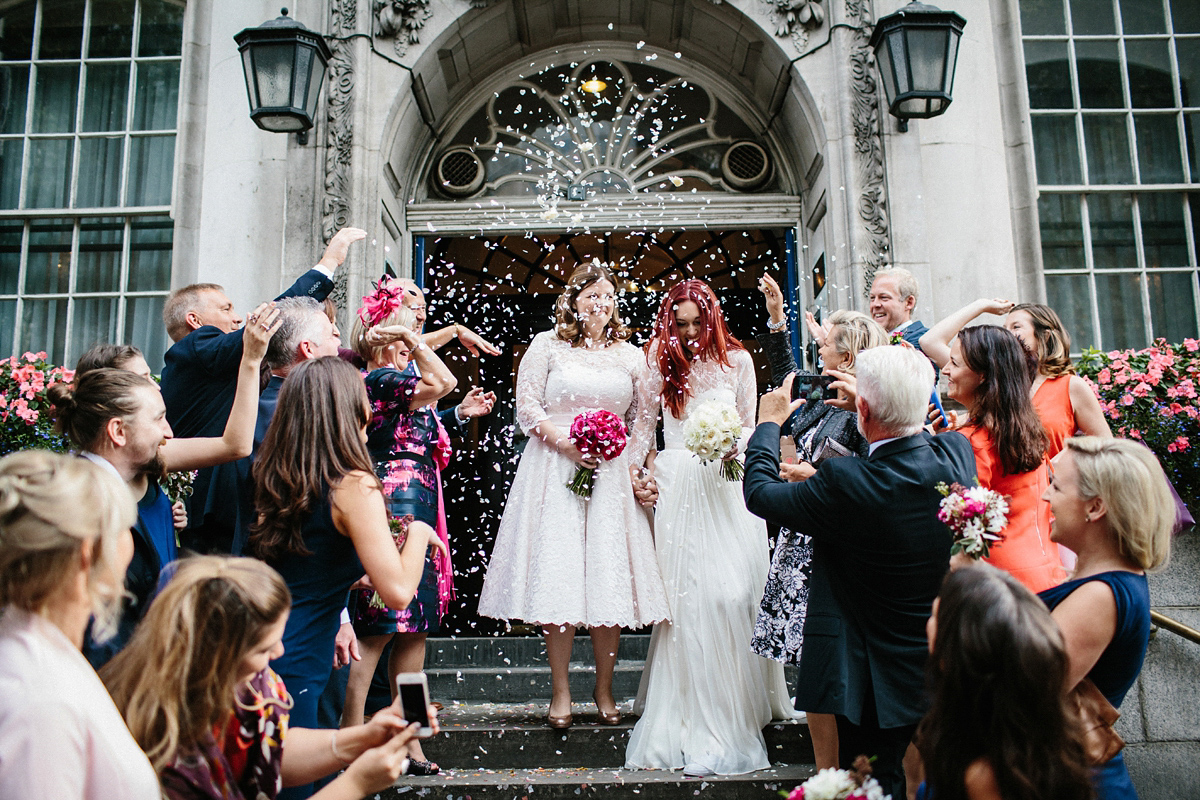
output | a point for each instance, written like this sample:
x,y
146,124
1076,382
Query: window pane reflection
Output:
x,y
1092,17
1048,73
55,96
11,232
1173,305
1070,297
1107,143
1042,17
99,262
49,181
1150,81
94,321
144,329
1099,67
1159,156
1143,16
1056,150
44,327
151,166
111,34
1164,237
1119,301
150,254
48,267
162,28
1111,223
100,180
1062,231
105,96
62,29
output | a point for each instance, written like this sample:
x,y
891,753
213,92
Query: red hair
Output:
x,y
673,360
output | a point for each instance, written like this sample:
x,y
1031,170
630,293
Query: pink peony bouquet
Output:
x,y
840,784
975,515
601,434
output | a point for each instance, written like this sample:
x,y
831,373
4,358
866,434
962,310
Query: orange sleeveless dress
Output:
x,y
1026,552
1052,401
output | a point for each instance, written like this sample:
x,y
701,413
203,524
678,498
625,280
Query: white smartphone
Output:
x,y
413,689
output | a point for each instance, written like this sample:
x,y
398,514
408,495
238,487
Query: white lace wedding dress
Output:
x,y
705,695
559,558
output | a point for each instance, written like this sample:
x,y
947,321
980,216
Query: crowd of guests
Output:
x,y
317,538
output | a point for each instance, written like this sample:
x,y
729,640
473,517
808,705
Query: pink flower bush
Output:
x,y
1150,395
26,421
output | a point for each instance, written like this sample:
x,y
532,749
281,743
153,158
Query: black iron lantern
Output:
x,y
284,64
916,49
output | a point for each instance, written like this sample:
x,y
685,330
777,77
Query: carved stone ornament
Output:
x,y
339,131
402,20
868,141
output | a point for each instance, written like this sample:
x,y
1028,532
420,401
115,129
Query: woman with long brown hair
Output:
x,y
713,556
999,725
322,522
562,561
198,695
990,373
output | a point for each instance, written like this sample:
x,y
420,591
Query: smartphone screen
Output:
x,y
811,387
414,699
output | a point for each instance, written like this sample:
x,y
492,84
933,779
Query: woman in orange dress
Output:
x,y
1062,399
990,373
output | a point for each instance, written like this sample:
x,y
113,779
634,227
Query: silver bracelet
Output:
x,y
776,327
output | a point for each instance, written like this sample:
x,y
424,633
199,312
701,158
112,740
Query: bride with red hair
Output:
x,y
705,696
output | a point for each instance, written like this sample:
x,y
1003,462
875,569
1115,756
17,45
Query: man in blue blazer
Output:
x,y
879,554
199,376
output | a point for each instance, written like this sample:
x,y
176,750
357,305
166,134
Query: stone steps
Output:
x,y
569,784
498,736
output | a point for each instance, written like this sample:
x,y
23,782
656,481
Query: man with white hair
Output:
x,y
879,554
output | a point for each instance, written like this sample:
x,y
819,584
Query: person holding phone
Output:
x,y
198,695
816,427
713,557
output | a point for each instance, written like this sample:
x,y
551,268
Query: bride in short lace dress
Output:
x,y
560,560
705,695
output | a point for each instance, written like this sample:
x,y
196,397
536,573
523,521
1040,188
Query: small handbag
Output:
x,y
1101,742
828,449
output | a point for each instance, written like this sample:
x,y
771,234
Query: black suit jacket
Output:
x,y
199,380
880,554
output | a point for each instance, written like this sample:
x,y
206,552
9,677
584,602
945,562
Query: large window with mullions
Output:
x,y
1114,94
88,97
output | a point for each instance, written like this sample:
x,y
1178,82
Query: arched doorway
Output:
x,y
663,169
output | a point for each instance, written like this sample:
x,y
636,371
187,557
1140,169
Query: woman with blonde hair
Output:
x,y
1113,508
61,737
816,427
197,693
562,561
409,447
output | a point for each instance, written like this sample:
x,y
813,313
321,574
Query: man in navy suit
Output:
x,y
199,376
893,298
879,554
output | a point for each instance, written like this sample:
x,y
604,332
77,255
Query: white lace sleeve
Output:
x,y
647,393
531,383
746,388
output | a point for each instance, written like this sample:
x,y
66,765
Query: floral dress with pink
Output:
x,y
409,448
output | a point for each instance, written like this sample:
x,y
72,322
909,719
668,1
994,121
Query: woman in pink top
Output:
x,y
61,737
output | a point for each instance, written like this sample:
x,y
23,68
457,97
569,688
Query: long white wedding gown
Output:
x,y
705,696
560,559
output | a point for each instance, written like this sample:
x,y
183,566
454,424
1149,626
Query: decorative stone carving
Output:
x,y
792,16
402,20
339,130
868,140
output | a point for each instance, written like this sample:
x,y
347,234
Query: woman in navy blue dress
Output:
x,y
322,522
1113,508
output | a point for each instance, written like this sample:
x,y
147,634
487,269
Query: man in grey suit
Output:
x,y
879,554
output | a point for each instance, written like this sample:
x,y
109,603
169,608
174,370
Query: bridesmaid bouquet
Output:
x,y
976,516
840,784
600,434
710,432
398,527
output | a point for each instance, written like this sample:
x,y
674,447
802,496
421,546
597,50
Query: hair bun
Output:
x,y
10,494
62,395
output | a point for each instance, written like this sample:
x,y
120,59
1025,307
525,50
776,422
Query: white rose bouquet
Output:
x,y
711,431
840,784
